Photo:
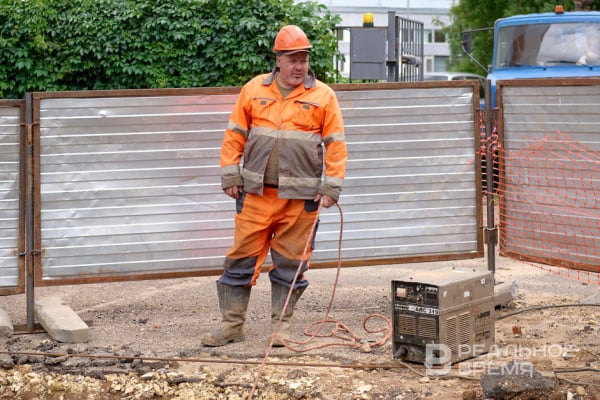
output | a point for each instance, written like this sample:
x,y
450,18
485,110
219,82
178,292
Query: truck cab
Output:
x,y
545,45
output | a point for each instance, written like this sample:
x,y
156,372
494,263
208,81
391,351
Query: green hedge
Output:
x,y
56,45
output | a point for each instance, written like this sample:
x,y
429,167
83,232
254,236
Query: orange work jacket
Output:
x,y
308,119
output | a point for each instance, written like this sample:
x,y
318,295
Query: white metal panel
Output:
x,y
9,196
410,189
131,186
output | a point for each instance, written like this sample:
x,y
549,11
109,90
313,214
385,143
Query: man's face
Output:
x,y
292,69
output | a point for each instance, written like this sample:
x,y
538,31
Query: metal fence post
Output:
x,y
491,232
29,236
392,41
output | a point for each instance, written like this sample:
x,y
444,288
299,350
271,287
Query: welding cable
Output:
x,y
543,307
339,330
573,370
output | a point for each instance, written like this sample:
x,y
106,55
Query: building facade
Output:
x,y
434,14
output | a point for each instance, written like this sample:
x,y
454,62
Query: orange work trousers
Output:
x,y
267,222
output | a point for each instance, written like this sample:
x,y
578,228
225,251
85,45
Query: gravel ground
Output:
x,y
144,342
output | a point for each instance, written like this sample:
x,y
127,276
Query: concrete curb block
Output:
x,y
60,321
6,326
504,293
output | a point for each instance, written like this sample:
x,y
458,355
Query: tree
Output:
x,y
52,45
478,14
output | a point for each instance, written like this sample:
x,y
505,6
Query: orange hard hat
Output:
x,y
291,39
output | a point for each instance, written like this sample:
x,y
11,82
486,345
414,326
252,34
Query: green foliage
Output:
x,y
51,45
478,14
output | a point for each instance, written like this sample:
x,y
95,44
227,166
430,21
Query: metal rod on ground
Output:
x,y
367,366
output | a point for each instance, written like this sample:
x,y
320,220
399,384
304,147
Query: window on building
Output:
x,y
435,36
428,64
440,63
342,66
439,37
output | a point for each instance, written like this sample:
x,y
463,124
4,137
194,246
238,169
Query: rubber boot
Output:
x,y
233,303
279,295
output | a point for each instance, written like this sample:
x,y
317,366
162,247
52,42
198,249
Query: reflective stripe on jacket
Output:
x,y
302,123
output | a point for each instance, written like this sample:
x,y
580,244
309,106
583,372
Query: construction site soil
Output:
x,y
145,342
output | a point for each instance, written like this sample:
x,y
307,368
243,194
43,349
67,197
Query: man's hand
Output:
x,y
233,191
325,200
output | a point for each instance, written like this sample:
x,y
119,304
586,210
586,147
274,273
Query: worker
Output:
x,y
279,126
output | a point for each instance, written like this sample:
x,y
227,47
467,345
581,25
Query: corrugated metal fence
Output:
x,y
126,183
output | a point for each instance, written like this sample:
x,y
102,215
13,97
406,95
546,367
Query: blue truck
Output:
x,y
556,44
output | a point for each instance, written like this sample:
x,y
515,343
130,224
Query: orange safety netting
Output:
x,y
548,195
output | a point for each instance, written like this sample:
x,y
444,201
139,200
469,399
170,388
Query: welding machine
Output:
x,y
449,309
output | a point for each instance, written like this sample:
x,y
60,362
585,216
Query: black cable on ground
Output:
x,y
542,307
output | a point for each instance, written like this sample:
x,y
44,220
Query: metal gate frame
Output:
x,y
541,82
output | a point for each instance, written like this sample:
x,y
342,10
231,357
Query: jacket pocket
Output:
x,y
307,116
262,110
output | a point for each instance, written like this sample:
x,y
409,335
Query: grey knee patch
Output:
x,y
238,272
285,270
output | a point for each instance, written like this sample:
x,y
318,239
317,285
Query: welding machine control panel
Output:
x,y
416,293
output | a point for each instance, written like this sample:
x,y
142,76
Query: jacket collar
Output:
x,y
309,81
